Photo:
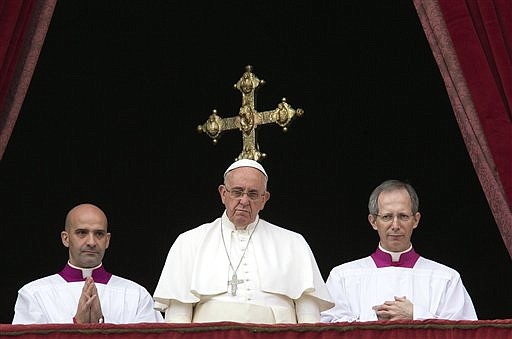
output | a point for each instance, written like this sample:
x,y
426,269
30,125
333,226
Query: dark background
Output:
x,y
111,115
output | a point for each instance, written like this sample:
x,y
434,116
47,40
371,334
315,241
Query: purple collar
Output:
x,y
70,274
383,259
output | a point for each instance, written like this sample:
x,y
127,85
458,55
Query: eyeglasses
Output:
x,y
390,217
237,193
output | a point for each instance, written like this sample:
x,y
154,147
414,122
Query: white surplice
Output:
x,y
435,290
54,300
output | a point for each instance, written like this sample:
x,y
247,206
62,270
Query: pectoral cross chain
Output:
x,y
234,283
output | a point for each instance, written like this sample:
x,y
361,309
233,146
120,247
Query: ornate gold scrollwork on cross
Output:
x,y
248,119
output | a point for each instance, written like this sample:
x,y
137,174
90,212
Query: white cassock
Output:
x,y
435,290
53,299
279,279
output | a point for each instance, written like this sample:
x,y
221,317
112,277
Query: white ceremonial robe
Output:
x,y
435,290
197,269
54,300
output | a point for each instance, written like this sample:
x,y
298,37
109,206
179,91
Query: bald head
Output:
x,y
86,235
85,211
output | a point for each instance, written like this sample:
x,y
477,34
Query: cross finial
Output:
x,y
248,118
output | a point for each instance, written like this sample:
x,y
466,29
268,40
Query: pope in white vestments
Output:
x,y
240,267
395,282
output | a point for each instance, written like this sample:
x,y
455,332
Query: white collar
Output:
x,y
231,227
395,256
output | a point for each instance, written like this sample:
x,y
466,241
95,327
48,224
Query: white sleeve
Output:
x,y
341,310
28,311
146,311
178,312
458,304
420,313
307,309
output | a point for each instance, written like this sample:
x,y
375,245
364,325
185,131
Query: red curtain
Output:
x,y
481,31
472,43
23,27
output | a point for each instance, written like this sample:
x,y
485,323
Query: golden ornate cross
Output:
x,y
248,119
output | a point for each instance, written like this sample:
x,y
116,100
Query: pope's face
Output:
x,y
242,209
395,234
86,237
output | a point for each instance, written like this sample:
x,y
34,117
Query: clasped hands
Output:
x,y
89,307
400,308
